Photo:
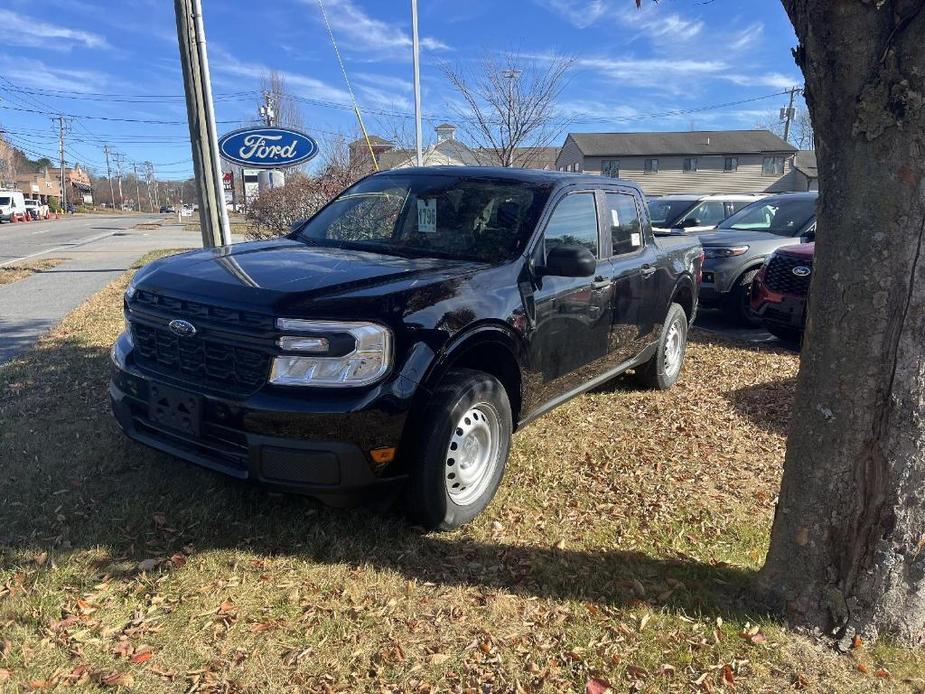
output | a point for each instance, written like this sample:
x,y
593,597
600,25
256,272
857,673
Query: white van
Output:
x,y
12,204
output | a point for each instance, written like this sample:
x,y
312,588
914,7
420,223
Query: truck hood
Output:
x,y
735,238
262,273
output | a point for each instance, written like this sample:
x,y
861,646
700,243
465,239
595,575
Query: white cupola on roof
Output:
x,y
445,131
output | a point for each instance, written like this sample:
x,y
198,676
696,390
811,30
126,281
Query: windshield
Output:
x,y
666,213
4,200
781,216
441,216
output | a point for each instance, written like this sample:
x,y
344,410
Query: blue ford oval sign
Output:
x,y
267,148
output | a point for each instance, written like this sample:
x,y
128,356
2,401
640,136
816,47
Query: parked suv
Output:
x,y
36,209
780,289
402,334
740,245
695,213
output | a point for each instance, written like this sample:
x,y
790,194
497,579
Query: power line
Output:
x,y
146,121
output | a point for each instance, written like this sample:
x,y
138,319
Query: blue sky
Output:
x,y
118,59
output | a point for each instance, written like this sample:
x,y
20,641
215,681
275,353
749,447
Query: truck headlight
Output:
x,y
332,354
723,252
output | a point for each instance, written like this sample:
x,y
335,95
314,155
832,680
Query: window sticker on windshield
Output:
x,y
635,240
427,216
615,216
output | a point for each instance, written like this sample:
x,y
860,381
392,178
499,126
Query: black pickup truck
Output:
x,y
392,343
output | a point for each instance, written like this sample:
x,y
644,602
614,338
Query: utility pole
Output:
x,y
788,115
61,143
194,61
112,194
119,157
137,188
416,60
266,111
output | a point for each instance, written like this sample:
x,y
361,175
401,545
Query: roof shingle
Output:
x,y
693,142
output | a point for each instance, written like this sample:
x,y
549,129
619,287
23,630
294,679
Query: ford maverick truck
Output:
x,y
390,345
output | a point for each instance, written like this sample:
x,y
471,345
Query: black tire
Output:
x,y
654,374
740,300
428,498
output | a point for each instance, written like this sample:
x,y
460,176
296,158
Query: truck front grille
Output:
x,y
779,277
211,363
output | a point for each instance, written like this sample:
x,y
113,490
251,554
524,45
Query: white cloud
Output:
x,y
578,13
774,80
20,30
356,30
664,74
670,27
747,37
42,76
222,61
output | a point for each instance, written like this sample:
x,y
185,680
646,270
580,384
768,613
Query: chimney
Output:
x,y
445,131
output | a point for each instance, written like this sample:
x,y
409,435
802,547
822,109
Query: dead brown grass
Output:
x,y
618,552
14,273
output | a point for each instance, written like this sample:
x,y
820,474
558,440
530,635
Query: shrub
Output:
x,y
53,205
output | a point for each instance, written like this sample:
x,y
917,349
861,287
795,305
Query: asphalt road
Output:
x,y
96,249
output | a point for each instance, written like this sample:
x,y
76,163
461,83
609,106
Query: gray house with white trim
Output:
x,y
706,161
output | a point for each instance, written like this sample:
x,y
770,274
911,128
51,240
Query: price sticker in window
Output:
x,y
615,216
427,216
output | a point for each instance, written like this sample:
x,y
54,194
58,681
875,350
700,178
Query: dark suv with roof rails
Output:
x,y
399,337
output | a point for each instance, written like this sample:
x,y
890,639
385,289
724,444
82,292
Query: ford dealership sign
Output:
x,y
267,148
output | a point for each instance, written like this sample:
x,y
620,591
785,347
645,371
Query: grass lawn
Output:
x,y
619,550
14,273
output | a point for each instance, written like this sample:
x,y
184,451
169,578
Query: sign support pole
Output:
x,y
415,47
194,61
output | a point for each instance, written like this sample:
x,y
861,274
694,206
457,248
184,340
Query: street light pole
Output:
x,y
194,61
416,60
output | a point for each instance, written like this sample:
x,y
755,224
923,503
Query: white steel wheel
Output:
x,y
674,349
472,453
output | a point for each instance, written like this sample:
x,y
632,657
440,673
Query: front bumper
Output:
x,y
313,444
776,308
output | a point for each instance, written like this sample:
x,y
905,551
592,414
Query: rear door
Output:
x,y
571,336
634,274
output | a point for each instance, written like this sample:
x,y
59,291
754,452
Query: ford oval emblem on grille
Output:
x,y
799,271
182,328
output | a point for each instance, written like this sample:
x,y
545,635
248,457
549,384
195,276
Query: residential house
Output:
x,y
447,151
724,161
802,174
77,184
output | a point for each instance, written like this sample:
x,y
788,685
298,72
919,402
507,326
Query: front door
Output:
x,y
572,325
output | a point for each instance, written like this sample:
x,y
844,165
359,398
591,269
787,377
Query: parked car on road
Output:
x,y
737,249
12,206
400,336
36,208
780,289
695,213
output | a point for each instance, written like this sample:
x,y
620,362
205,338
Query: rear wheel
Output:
x,y
463,441
664,368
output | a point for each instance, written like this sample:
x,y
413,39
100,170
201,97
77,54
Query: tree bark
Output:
x,y
846,553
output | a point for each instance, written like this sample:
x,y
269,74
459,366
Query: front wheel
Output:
x,y
740,301
463,440
664,368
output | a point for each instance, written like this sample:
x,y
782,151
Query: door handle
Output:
x,y
648,271
600,284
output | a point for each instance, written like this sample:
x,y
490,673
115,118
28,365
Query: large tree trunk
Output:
x,y
847,549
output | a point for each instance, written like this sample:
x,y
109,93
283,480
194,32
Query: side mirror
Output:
x,y
690,222
569,261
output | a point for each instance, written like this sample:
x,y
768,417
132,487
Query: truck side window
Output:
x,y
574,223
709,213
623,219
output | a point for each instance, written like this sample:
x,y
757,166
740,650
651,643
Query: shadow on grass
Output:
x,y
767,405
70,482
